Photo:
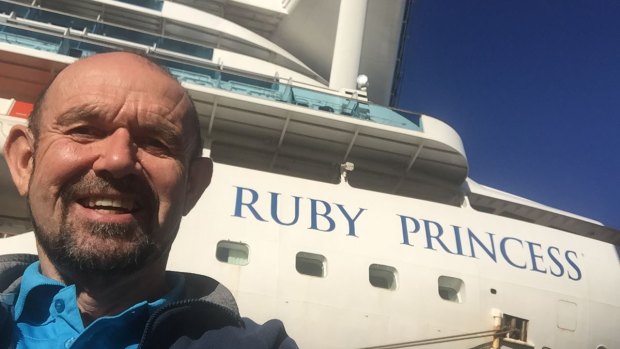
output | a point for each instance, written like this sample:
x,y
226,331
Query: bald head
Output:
x,y
127,69
109,167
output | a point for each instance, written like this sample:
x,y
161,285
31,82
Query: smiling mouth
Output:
x,y
110,205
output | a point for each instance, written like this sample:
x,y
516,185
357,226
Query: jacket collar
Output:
x,y
12,268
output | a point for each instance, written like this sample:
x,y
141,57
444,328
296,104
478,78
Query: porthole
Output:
x,y
382,276
232,252
310,264
451,289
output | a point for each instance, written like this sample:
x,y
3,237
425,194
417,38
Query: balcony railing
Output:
x,y
190,68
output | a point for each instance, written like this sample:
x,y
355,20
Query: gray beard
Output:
x,y
65,252
72,259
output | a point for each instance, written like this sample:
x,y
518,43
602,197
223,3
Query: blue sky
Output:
x,y
532,87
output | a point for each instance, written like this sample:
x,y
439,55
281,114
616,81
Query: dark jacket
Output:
x,y
206,317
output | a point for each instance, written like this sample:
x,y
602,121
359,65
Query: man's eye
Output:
x,y
86,131
155,146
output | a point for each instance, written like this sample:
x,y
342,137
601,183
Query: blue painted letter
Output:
x,y
535,257
314,215
457,239
405,228
274,209
489,251
574,265
555,261
239,202
502,248
350,220
430,236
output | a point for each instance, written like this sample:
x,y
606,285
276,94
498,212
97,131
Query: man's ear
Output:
x,y
18,153
199,178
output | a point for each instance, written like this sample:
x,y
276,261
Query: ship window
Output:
x,y
382,276
232,252
451,289
310,264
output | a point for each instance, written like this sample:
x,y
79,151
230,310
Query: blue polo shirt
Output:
x,y
47,316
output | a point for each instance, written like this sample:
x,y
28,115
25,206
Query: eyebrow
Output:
x,y
87,113
76,115
169,135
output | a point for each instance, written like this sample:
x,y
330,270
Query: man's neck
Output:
x,y
104,296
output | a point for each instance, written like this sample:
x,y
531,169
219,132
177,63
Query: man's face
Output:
x,y
110,171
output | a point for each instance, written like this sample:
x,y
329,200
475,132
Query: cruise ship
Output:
x,y
354,223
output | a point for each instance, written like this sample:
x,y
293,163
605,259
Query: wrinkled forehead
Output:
x,y
115,80
118,72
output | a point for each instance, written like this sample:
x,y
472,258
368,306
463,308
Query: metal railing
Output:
x,y
200,71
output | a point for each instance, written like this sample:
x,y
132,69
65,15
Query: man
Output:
x,y
110,162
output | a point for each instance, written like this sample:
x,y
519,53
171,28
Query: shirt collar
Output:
x,y
31,279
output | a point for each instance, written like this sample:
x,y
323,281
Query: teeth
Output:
x,y
125,204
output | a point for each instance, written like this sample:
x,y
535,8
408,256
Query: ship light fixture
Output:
x,y
362,82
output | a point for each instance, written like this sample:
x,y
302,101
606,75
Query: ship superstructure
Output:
x,y
277,90
261,106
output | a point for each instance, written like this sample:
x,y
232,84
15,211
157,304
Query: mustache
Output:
x,y
106,184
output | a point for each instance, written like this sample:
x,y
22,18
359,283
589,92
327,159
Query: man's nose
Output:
x,y
117,155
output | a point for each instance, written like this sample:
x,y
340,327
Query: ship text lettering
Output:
x,y
322,213
515,252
